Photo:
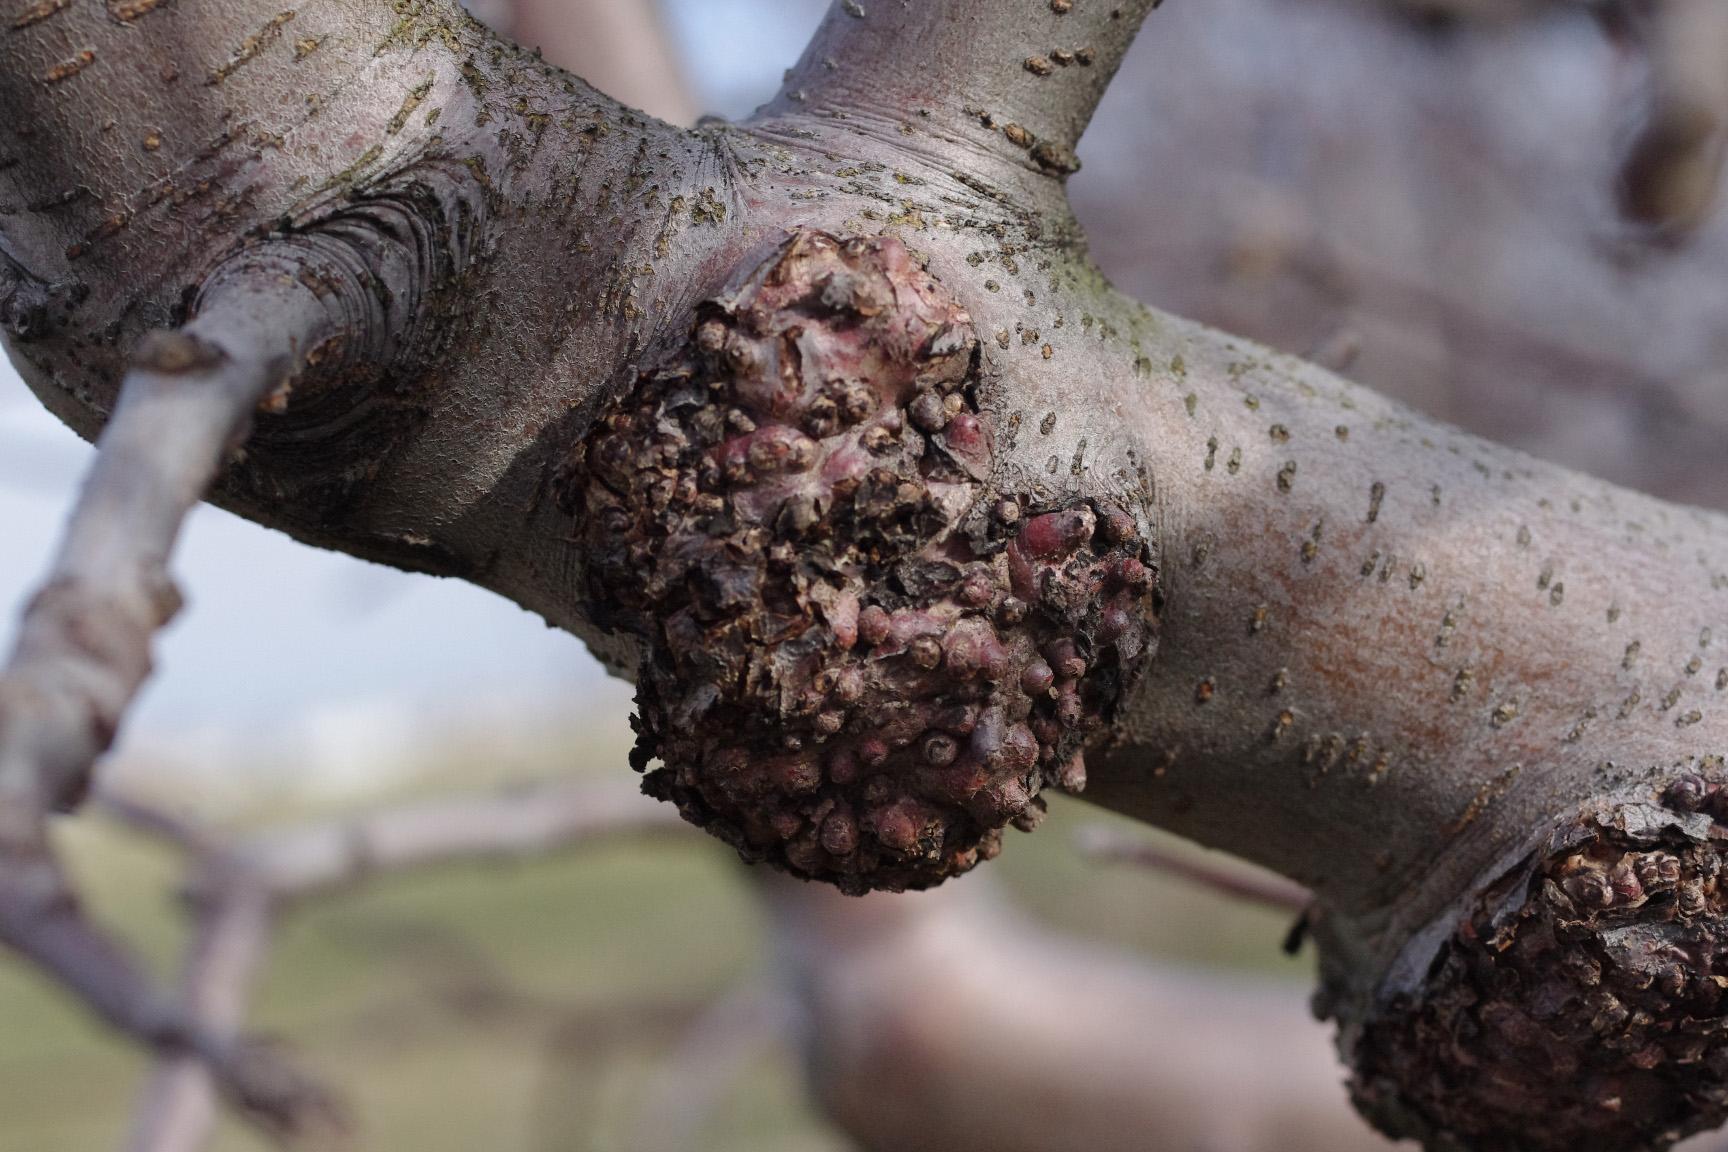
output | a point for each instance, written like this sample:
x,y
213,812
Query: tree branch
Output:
x,y
176,1109
711,1056
318,859
619,46
1105,845
1671,176
239,891
1017,82
942,1020
270,320
84,646
1392,658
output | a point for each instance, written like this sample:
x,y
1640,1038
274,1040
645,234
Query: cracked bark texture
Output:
x,y
1394,659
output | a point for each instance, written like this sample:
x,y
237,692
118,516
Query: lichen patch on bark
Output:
x,y
862,662
1589,987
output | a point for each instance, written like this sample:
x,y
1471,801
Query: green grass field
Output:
x,y
522,1008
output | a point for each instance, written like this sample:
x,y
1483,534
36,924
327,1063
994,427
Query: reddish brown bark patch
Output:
x,y
1582,1005
861,663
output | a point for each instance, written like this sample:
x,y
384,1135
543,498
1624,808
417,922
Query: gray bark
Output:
x,y
1393,657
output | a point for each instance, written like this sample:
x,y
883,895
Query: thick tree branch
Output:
x,y
1014,82
957,489
917,1036
939,1020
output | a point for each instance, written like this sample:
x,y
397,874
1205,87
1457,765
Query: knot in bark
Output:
x,y
1586,986
862,660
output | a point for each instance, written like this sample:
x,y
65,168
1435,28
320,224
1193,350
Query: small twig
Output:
x,y
177,832
239,890
84,646
83,653
1337,350
1104,845
177,1108
314,859
710,1058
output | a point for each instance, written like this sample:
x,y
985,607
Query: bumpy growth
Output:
x,y
1589,988
861,662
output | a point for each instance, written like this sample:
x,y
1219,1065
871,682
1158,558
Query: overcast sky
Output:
x,y
310,654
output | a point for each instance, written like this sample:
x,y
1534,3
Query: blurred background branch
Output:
x,y
619,46
238,891
1674,168
1106,844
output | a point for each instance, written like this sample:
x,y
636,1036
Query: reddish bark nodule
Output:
x,y
1588,987
862,660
